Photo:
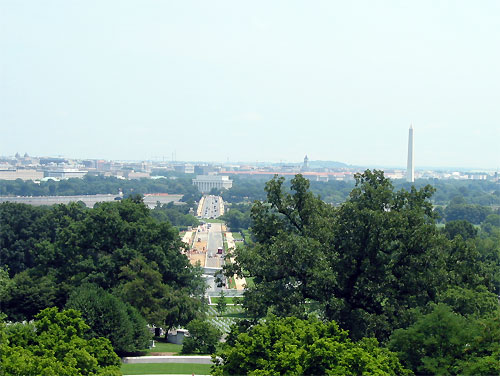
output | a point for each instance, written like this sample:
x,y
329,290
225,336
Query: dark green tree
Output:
x,y
203,338
365,264
460,227
108,317
443,342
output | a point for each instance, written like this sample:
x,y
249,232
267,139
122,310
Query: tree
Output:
x,y
108,317
51,251
54,344
443,342
365,264
221,303
202,339
292,346
460,227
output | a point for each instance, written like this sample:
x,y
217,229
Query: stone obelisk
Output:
x,y
410,175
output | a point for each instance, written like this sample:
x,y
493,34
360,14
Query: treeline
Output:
x,y
177,215
379,267
474,192
91,185
115,263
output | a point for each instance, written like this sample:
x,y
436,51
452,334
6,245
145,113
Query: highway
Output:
x,y
212,207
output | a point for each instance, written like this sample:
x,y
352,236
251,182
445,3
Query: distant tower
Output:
x,y
305,166
410,175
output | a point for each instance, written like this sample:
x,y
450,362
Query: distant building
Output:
x,y
185,168
204,169
65,173
410,173
137,175
23,174
305,166
205,183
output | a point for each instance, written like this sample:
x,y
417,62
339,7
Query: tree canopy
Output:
x,y
366,264
50,251
291,346
54,344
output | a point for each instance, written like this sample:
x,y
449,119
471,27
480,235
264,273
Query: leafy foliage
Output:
x,y
443,342
53,250
203,338
177,215
108,317
365,264
54,345
290,346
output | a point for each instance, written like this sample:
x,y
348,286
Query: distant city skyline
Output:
x,y
262,81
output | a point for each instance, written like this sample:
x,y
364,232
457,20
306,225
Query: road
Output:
x,y
215,241
212,207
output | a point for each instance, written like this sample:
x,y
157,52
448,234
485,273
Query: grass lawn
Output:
x,y
229,300
237,236
165,347
165,368
246,234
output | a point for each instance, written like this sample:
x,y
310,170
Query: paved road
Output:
x,y
214,242
211,207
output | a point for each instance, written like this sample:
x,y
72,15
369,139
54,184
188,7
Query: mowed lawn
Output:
x,y
165,368
164,347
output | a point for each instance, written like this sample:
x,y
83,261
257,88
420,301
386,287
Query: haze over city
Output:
x,y
259,81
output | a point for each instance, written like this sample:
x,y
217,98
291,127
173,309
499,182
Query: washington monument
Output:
x,y
410,176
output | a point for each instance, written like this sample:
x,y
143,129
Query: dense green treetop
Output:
x,y
290,346
109,317
52,250
443,342
54,344
177,215
365,264
203,338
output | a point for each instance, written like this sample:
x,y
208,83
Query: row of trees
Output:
x,y
177,215
476,192
90,185
379,267
115,263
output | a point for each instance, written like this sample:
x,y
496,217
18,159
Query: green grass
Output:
x,y
247,236
161,346
237,236
165,368
249,282
229,300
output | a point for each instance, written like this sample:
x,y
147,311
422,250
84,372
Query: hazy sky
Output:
x,y
252,80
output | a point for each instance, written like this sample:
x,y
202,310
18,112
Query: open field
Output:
x,y
165,368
